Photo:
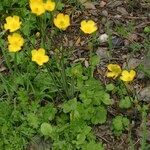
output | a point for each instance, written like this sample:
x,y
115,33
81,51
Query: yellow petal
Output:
x,y
49,5
110,74
132,73
125,73
41,51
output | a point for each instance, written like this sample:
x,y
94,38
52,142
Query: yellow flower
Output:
x,y
127,76
88,26
115,71
62,21
39,56
49,5
37,7
12,23
15,41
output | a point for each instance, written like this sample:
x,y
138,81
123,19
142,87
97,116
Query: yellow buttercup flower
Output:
x,y
49,5
15,41
37,7
115,71
39,56
127,76
12,23
62,21
88,26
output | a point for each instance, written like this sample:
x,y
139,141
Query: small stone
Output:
x,y
103,20
103,38
117,42
124,56
117,16
102,53
132,63
105,13
144,94
102,4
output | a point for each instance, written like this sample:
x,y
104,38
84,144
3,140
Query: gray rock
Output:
x,y
144,94
117,42
103,53
132,63
105,13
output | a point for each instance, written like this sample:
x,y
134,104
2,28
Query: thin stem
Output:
x,y
64,79
72,87
5,85
7,60
15,63
43,30
50,72
144,132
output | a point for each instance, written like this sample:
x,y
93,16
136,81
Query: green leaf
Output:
x,y
106,99
94,60
48,112
77,70
100,115
46,128
125,122
93,146
147,29
97,97
33,120
80,138
86,97
117,123
125,103
59,5
87,130
110,87
70,105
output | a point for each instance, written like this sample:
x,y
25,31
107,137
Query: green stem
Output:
x,y
5,85
55,80
7,60
43,30
64,78
72,87
15,63
144,129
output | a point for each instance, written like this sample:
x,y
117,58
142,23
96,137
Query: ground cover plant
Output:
x,y
74,75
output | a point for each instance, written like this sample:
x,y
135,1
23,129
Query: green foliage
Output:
x,y
147,29
125,31
60,101
119,124
110,87
126,102
100,115
46,129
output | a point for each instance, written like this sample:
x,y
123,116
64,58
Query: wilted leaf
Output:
x,y
87,4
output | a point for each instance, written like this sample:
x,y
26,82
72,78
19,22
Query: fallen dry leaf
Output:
x,y
87,4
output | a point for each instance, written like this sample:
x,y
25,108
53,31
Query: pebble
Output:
x,y
117,42
105,13
103,53
103,38
132,63
144,94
